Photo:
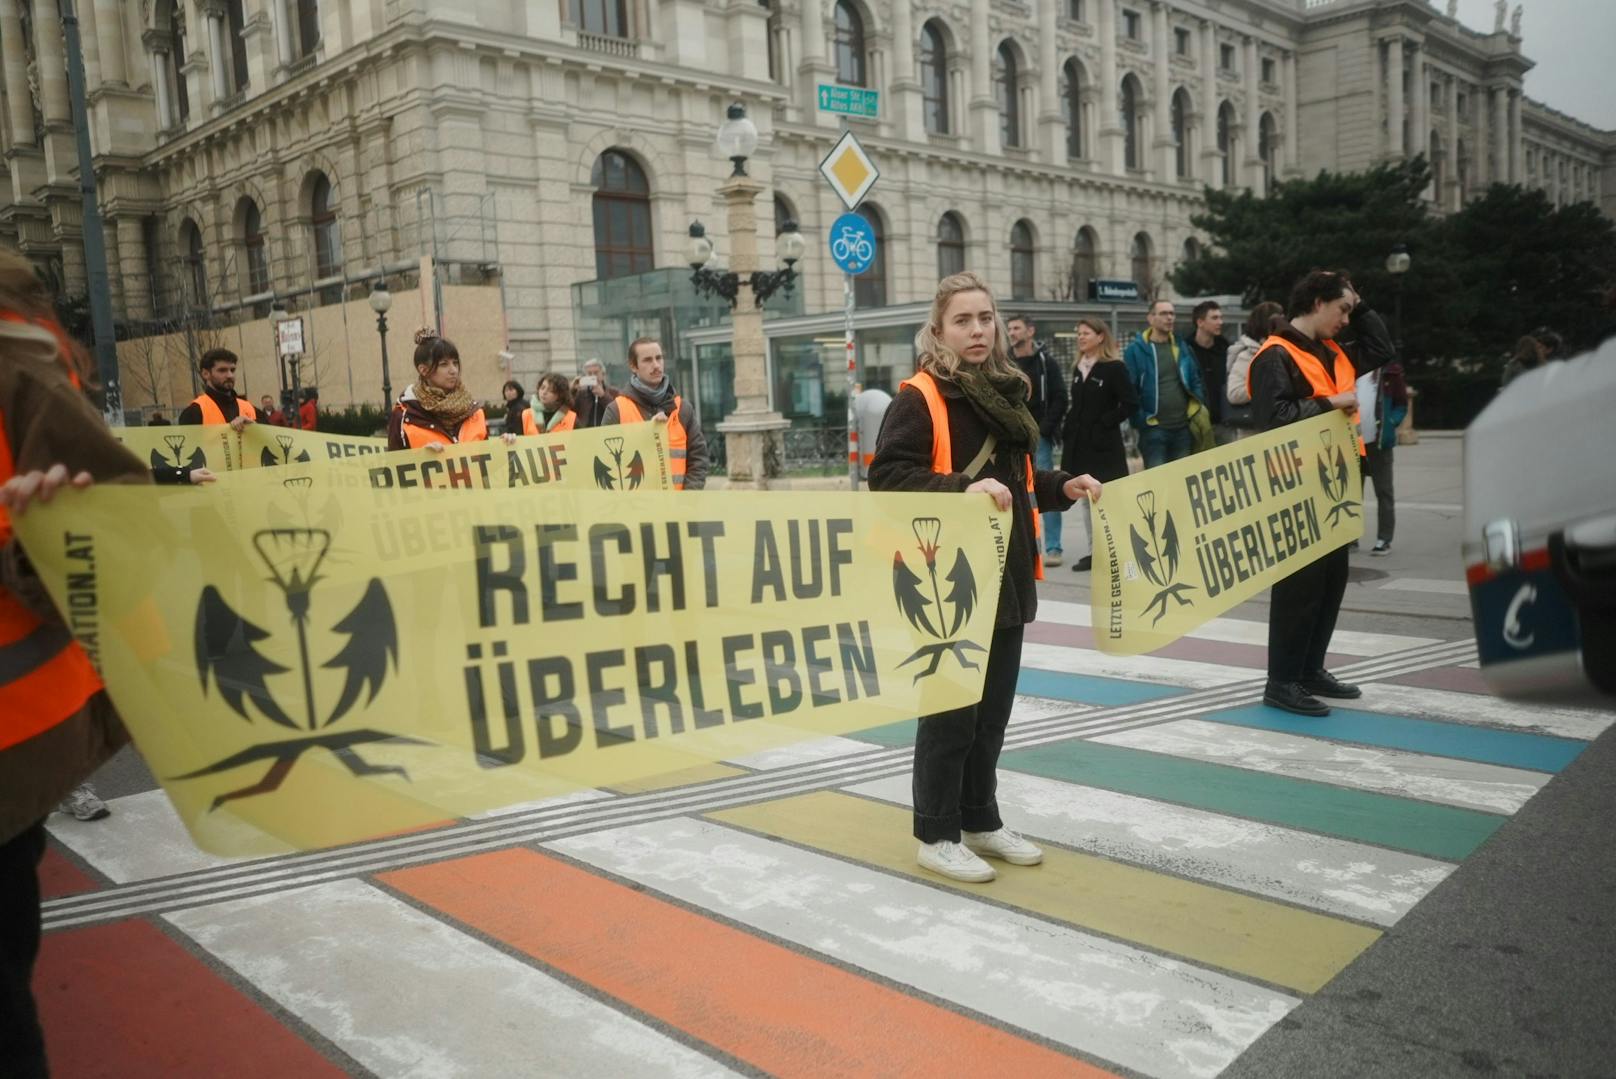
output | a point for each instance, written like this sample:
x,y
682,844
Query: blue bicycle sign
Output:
x,y
852,243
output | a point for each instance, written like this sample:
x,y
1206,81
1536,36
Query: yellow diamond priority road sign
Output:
x,y
850,171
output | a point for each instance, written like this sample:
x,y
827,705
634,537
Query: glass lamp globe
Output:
x,y
790,243
380,299
1398,261
737,137
701,248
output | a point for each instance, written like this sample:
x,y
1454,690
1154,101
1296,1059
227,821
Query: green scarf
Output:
x,y
1001,401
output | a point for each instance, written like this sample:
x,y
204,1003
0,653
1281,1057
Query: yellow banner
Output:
x,y
215,447
265,445
1182,543
299,674
631,459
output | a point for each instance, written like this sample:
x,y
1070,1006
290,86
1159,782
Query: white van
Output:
x,y
1540,531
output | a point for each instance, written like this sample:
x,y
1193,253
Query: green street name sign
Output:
x,y
849,100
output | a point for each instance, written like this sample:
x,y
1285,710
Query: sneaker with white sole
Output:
x,y
1380,548
1004,844
83,804
952,860
1052,558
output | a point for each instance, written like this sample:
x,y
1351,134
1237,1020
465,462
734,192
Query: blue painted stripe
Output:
x,y
1538,752
1089,689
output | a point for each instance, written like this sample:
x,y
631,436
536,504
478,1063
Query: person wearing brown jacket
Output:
x,y
967,381
56,725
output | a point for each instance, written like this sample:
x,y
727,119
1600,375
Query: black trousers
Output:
x,y
1377,469
1301,617
22,1043
957,752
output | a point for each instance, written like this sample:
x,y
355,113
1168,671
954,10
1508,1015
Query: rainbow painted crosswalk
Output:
x,y
1210,863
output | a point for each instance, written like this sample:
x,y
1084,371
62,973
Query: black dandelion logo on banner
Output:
x,y
1158,557
947,614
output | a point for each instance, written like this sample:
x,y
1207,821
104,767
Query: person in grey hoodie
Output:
x,y
1262,321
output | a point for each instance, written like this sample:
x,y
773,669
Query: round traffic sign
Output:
x,y
852,243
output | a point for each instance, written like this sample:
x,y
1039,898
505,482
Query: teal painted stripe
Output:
x,y
892,735
1444,832
1514,749
1090,689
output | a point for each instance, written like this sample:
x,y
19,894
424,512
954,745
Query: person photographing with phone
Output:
x,y
593,396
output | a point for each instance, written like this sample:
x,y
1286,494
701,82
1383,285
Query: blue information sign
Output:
x,y
852,243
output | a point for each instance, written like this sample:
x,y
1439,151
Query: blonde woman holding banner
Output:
x,y
1102,396
961,424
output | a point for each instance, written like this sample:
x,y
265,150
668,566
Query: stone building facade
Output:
x,y
250,149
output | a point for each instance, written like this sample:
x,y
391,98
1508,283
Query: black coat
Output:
x,y
903,463
1092,433
1281,394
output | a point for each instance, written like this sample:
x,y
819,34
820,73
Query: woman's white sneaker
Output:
x,y
952,860
1004,844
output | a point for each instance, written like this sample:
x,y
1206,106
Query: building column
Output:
x,y
1450,198
904,85
1419,108
158,59
138,301
1254,161
1110,117
1517,143
1288,74
1051,130
218,53
1500,125
984,129
1161,110
282,20
1211,166
109,40
52,59
14,59
1395,147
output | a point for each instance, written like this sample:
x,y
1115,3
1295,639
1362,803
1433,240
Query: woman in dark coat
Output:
x,y
1102,396
964,360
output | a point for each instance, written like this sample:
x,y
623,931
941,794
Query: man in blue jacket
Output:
x,y
1172,400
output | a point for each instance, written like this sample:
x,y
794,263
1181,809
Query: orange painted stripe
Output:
x,y
125,1001
784,1013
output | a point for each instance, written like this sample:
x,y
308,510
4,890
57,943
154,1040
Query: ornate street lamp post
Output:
x,y
380,301
1397,264
752,431
277,315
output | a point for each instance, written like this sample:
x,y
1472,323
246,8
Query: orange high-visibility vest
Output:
x,y
45,677
629,412
474,428
942,455
530,426
212,413
1343,379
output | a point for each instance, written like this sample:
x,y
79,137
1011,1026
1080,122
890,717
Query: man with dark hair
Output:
x,y
650,395
1048,407
1171,421
218,402
1304,370
1211,350
268,413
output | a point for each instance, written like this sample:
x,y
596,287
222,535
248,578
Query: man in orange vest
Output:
x,y
650,395
56,725
218,402
1305,370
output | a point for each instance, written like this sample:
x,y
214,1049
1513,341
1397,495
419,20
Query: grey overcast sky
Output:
x,y
1571,42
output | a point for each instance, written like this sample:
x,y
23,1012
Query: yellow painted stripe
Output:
x,y
684,777
1281,945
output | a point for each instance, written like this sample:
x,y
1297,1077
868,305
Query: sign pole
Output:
x,y
855,452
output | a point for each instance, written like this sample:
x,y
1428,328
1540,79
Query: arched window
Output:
x,y
934,78
1226,143
327,231
783,212
622,205
256,247
1141,264
235,23
950,245
1268,150
608,18
1006,78
308,26
194,280
1131,118
1085,261
1023,262
870,287
850,69
1071,95
1192,249
1181,133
